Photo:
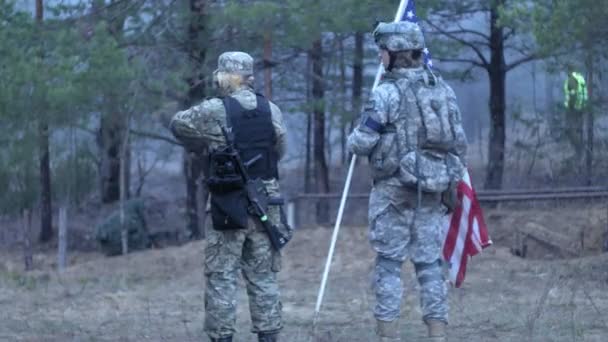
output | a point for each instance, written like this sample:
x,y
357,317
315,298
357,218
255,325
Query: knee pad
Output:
x,y
388,264
429,272
384,267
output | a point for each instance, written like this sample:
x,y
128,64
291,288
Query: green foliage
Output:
x,y
572,27
75,174
53,72
302,22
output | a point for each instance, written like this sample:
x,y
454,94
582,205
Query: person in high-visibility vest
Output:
x,y
575,102
575,91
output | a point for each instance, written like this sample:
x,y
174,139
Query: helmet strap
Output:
x,y
391,60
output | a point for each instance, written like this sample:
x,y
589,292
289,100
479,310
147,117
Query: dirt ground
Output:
x,y
157,295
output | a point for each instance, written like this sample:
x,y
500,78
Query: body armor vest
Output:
x,y
251,139
254,136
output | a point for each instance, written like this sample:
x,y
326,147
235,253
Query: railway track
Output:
x,y
514,195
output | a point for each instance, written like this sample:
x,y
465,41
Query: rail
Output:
x,y
484,196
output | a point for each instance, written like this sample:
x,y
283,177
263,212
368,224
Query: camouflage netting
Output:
x,y
108,232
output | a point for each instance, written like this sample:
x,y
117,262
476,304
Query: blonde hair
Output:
x,y
230,82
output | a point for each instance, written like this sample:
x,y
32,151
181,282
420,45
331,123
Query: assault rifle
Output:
x,y
257,195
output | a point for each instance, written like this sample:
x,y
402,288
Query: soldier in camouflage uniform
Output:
x,y
248,250
415,163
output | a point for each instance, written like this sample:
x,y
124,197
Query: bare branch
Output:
x,y
509,34
463,60
472,32
475,48
150,135
522,61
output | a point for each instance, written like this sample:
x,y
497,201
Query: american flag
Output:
x,y
467,233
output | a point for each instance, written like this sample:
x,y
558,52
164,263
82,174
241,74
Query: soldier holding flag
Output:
x,y
411,132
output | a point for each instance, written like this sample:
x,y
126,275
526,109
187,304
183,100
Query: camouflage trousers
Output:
x,y
246,251
399,232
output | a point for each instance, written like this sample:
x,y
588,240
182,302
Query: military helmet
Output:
x,y
399,36
235,62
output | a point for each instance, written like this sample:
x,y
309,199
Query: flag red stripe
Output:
x,y
469,248
452,236
474,241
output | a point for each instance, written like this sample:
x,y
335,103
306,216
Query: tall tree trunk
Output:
x,y
192,172
196,92
309,117
358,73
590,124
344,117
109,140
357,89
27,243
497,73
268,65
46,208
308,167
124,236
112,124
318,93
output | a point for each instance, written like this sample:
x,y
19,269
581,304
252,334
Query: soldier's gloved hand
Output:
x,y
449,198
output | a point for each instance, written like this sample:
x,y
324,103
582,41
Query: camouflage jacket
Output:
x,y
199,127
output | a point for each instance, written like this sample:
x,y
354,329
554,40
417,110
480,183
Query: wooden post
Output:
x,y
291,214
27,242
62,241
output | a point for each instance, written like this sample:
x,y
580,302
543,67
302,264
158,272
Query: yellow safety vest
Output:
x,y
579,93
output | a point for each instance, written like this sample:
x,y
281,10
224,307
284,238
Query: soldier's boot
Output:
x,y
387,331
436,330
222,339
271,336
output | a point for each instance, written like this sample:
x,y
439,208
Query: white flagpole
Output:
x,y
334,238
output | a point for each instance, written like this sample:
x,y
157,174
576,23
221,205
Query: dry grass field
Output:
x,y
157,295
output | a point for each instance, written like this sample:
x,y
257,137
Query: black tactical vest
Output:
x,y
254,136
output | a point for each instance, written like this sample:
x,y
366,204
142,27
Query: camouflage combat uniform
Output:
x,y
229,251
403,224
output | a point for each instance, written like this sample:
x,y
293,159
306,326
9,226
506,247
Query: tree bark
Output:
x,y
309,117
357,85
318,93
27,243
268,65
357,75
112,124
590,125
124,152
62,239
46,208
497,73
307,166
109,140
344,117
192,172
196,92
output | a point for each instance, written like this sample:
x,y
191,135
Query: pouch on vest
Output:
x,y
229,210
439,132
384,159
434,171
223,173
